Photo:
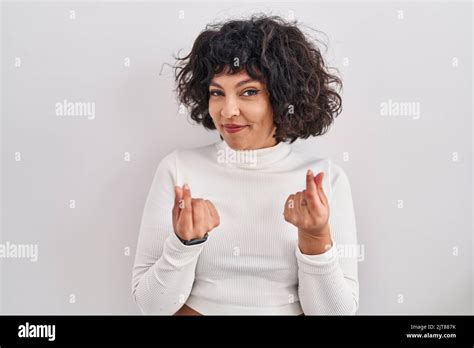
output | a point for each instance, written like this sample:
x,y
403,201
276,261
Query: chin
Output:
x,y
235,144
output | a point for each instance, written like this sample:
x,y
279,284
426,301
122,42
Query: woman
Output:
x,y
243,226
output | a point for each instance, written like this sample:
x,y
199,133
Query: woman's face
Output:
x,y
240,100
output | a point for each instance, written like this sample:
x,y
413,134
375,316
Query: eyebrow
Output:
x,y
238,84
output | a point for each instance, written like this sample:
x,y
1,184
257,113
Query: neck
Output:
x,y
252,158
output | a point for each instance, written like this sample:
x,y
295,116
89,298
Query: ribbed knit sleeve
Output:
x,y
164,268
328,283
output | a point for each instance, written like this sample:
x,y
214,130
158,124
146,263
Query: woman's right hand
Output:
x,y
192,217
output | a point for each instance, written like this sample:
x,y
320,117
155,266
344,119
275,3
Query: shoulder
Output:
x,y
331,168
179,159
339,183
193,154
335,177
337,173
304,157
184,154
167,164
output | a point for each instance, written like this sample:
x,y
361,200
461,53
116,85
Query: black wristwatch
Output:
x,y
192,241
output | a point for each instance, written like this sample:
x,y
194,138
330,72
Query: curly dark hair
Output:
x,y
303,93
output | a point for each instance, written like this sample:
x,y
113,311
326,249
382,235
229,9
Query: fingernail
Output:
x,y
186,186
309,172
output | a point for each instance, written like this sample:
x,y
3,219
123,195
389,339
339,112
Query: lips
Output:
x,y
234,125
234,128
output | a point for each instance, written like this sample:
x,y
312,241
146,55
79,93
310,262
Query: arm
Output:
x,y
328,283
163,272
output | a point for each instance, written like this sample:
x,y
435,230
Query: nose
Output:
x,y
230,108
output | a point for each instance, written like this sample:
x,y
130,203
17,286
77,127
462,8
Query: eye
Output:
x,y
215,92
251,91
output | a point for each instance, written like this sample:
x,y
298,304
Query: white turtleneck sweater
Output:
x,y
251,263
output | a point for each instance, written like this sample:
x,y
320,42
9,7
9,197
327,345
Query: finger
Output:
x,y
301,209
187,212
303,201
319,183
178,196
289,207
290,203
214,213
311,192
209,215
199,214
207,212
212,208
208,208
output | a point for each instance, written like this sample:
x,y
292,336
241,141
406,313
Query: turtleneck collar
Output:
x,y
251,159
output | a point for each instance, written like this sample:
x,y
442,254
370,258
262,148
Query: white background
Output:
x,y
409,251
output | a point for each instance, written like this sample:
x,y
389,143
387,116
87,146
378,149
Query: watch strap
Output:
x,y
193,241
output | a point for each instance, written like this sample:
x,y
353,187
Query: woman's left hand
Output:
x,y
309,210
